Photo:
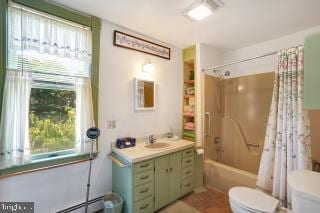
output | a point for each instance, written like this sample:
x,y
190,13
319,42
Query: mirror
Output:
x,y
144,94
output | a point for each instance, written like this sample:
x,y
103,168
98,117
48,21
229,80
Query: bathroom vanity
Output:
x,y
151,178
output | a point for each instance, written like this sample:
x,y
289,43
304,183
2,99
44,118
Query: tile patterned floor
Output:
x,y
178,207
209,201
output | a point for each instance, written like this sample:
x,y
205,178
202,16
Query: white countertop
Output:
x,y
140,153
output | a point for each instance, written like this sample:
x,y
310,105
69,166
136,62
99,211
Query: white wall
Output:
x,y
62,187
266,64
119,67
206,56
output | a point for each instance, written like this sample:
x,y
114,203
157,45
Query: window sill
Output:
x,y
44,164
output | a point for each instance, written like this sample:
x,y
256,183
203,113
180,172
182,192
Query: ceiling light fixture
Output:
x,y
201,9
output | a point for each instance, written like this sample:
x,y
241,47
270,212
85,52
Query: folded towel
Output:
x,y
188,109
189,114
189,126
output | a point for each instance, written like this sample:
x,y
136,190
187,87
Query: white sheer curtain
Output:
x,y
287,145
47,44
14,134
84,114
46,49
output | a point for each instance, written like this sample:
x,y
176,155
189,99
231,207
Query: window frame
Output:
x,y
40,162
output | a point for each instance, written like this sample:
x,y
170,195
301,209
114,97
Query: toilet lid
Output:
x,y
305,183
253,199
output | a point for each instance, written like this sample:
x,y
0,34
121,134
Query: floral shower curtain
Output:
x,y
287,145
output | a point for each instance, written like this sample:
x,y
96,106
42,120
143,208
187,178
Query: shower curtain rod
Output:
x,y
242,60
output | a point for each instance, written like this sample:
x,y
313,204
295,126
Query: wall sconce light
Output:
x,y
147,67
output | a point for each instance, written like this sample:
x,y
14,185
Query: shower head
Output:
x,y
227,73
222,73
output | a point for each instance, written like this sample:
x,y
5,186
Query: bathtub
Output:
x,y
223,177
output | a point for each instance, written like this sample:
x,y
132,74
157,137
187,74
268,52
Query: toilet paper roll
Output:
x,y
199,151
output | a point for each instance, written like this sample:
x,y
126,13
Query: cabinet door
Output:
x,y
161,178
175,176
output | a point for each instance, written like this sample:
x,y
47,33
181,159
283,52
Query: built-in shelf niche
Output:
x,y
189,56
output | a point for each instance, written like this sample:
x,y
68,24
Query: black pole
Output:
x,y
89,176
92,133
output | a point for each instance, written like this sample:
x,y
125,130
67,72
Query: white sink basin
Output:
x,y
157,146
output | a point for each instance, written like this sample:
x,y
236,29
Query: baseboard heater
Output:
x,y
81,205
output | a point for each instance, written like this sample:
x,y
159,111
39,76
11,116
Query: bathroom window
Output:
x,y
52,120
48,100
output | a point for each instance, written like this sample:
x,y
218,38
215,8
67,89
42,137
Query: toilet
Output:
x,y
248,200
305,196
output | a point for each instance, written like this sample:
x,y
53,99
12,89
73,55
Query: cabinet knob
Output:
x,y
144,177
144,191
145,165
171,169
144,207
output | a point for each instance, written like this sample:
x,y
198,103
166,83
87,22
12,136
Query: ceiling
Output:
x,y
238,24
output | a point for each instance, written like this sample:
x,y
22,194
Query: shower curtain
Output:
x,y
287,145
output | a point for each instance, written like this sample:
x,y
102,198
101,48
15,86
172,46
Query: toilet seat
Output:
x,y
253,200
238,207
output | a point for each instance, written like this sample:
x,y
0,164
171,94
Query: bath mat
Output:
x,y
179,207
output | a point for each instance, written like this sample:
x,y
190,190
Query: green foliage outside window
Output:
x,y
52,120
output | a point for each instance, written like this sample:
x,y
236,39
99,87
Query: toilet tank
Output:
x,y
304,186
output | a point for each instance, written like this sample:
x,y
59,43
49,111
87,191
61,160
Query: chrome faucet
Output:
x,y
151,139
170,134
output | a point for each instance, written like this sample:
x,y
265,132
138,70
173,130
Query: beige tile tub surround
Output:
x,y
140,153
252,105
246,100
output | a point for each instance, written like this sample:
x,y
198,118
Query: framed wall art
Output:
x,y
134,43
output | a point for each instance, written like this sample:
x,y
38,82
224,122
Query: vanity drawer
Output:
x,y
187,186
142,178
187,153
187,172
143,166
143,191
188,161
144,206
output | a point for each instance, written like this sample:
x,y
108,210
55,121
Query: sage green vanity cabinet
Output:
x,y
161,181
175,176
187,171
167,179
152,184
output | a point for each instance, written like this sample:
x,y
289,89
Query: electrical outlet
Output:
x,y
111,124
